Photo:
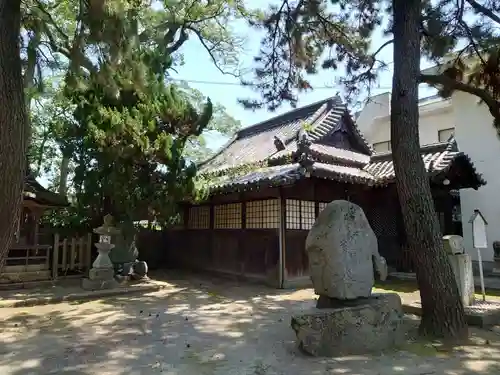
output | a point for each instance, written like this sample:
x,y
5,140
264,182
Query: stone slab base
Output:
x,y
101,273
482,313
89,284
373,325
81,295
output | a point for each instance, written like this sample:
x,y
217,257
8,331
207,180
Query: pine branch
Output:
x,y
484,10
452,84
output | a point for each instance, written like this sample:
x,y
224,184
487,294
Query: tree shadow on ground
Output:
x,y
203,326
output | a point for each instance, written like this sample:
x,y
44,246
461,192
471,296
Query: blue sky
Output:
x,y
199,67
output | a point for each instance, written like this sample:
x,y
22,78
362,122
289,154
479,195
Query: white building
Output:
x,y
471,125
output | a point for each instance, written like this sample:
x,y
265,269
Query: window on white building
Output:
x,y
382,146
445,134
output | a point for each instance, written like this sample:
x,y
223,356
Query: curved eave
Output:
x,y
462,173
455,166
35,192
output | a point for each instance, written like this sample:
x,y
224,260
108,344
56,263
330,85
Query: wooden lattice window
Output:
x,y
262,214
307,214
270,213
199,217
227,216
292,214
254,214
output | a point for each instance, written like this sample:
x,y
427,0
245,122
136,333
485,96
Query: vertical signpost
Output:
x,y
479,241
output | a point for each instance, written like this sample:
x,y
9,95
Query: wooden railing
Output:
x,y
26,263
71,256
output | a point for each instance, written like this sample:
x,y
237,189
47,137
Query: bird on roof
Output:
x,y
279,144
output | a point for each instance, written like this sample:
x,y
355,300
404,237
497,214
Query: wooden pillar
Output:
x,y
282,241
212,235
55,257
242,256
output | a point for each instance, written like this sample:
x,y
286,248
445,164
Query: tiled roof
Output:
x,y
252,158
277,175
343,174
256,143
330,153
281,175
438,158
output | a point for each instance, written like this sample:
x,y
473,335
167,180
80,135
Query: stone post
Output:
x,y
461,265
101,275
496,257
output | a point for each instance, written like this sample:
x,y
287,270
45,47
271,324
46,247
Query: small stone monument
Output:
x,y
461,265
124,255
101,275
342,250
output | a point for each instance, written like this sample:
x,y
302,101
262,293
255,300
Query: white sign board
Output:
x,y
479,224
479,241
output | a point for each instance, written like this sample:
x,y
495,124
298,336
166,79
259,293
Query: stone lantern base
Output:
x,y
100,278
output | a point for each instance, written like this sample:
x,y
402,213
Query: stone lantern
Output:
x,y
101,275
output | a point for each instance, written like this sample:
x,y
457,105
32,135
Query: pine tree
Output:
x,y
132,128
303,37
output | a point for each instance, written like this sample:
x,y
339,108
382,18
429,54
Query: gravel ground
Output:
x,y
202,327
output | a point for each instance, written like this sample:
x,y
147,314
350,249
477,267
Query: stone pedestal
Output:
x,y
102,273
365,326
462,268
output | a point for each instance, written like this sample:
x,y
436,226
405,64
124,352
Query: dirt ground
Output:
x,y
201,327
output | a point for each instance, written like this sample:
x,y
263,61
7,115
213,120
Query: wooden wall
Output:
x,y
239,233
236,234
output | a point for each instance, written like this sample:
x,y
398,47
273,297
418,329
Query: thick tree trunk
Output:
x,y
443,312
63,176
12,124
29,83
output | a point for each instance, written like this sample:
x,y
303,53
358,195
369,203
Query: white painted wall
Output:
x,y
475,136
435,115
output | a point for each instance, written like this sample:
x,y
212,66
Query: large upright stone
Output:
x,y
341,247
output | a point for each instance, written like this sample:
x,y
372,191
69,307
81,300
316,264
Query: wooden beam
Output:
x,y
55,257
